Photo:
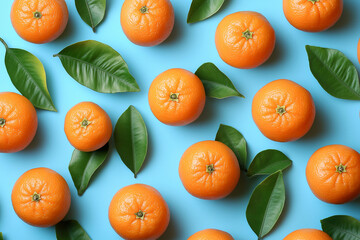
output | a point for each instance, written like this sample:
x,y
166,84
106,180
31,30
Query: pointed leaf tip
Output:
x,y
216,83
131,139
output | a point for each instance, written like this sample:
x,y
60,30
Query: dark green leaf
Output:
x,y
268,162
1,236
341,227
28,76
92,12
70,230
216,83
266,204
235,141
98,67
84,164
131,139
335,72
203,9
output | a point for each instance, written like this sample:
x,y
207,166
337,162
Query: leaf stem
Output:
x,y
55,55
3,42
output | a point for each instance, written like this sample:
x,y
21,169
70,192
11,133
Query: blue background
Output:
x,y
337,122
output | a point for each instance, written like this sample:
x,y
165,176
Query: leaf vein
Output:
x,y
90,15
267,208
335,75
30,76
100,69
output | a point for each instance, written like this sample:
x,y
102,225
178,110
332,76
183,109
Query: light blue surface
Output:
x,y
337,122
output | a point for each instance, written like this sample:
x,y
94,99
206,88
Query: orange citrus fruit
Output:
x,y
333,174
209,170
39,21
41,197
283,110
139,212
312,15
245,39
308,234
18,122
211,234
147,22
177,97
87,126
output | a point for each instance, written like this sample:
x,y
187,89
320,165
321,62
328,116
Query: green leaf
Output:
x,y
235,141
98,67
268,162
28,76
341,227
336,74
92,12
266,204
131,139
1,236
70,230
203,9
216,83
84,164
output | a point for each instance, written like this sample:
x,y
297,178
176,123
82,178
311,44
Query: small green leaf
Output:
x,y
70,230
341,227
28,76
235,141
203,9
98,67
84,164
1,236
216,83
268,162
131,139
92,12
266,204
336,74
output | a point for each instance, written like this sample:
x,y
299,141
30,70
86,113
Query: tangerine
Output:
x,y
312,15
283,110
39,21
41,197
308,234
139,212
147,22
87,126
18,122
211,234
177,97
333,174
245,39
209,170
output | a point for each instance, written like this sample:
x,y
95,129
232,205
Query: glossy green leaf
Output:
x,y
235,141
268,162
341,227
92,12
266,204
203,9
216,83
28,76
98,67
131,139
336,74
84,164
70,230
